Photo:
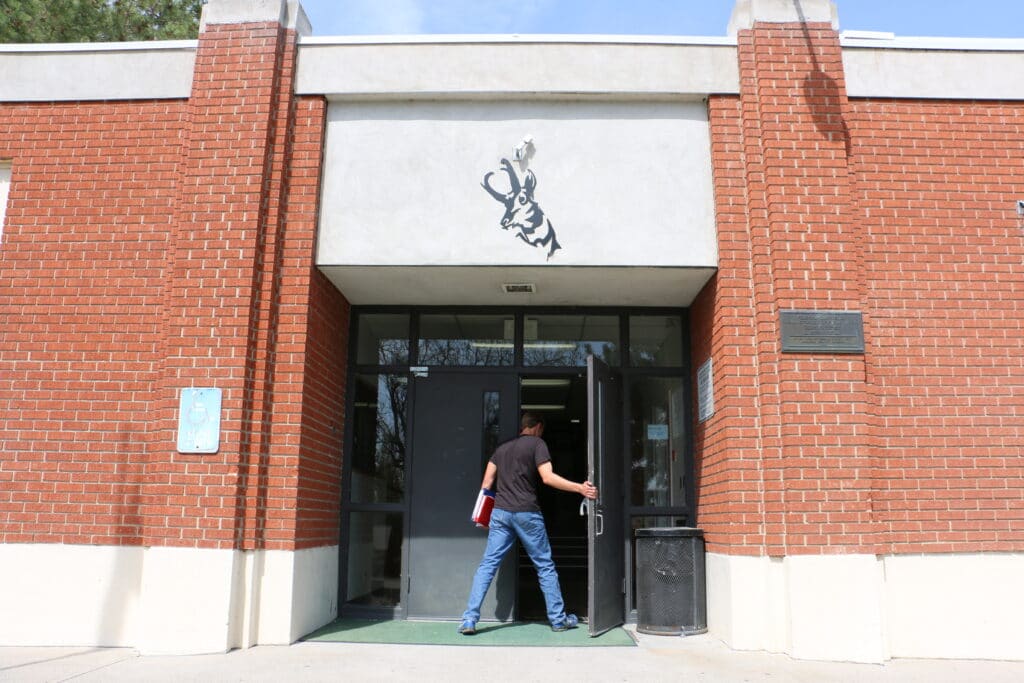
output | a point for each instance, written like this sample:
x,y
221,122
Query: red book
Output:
x,y
482,509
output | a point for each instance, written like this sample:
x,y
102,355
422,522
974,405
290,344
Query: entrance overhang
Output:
x,y
553,286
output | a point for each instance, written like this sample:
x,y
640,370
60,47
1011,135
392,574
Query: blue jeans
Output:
x,y
529,528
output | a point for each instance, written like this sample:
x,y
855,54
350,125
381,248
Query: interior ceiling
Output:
x,y
553,285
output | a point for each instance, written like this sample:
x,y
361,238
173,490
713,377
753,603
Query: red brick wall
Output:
x,y
937,182
151,247
900,210
82,268
320,343
729,464
319,477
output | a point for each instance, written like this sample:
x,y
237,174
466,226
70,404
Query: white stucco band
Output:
x,y
620,186
164,600
864,608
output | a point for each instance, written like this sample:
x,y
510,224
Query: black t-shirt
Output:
x,y
517,462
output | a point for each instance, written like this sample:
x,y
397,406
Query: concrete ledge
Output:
x,y
70,595
934,74
515,66
97,71
862,608
748,12
164,600
243,12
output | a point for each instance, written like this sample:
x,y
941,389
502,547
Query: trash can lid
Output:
x,y
671,531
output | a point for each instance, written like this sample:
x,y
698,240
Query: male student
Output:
x,y
516,469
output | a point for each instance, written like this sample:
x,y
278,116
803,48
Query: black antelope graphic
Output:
x,y
521,210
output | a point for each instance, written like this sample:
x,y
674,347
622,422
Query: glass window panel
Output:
x,y
492,423
378,446
383,339
655,340
657,441
562,340
466,339
374,558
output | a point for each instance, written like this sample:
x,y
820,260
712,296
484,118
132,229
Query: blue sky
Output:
x,y
966,18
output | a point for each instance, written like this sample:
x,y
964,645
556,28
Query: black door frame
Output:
x,y
518,369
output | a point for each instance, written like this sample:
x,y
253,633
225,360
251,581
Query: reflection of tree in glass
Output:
x,y
393,351
556,353
389,457
465,352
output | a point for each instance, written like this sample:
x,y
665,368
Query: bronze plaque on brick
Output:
x,y
822,332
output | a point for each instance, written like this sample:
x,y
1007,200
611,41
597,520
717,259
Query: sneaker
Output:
x,y
467,628
571,621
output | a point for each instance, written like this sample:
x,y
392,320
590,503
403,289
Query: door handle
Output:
x,y
583,507
599,521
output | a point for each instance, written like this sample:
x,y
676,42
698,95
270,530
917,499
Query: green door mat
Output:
x,y
444,633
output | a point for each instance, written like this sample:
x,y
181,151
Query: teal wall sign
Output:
x,y
199,421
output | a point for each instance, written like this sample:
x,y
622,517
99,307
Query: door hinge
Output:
x,y
623,586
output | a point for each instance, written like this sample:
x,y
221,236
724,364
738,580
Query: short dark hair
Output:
x,y
531,420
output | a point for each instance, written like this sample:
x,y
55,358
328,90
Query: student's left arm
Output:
x,y
490,473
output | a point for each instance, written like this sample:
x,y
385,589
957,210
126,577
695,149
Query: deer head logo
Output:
x,y
522,213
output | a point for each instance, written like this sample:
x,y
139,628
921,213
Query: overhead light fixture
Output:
x,y
549,345
519,288
543,382
490,345
542,406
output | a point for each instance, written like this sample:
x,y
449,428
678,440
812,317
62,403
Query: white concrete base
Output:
x,y
164,600
69,595
862,608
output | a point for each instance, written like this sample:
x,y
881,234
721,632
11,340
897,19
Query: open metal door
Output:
x,y
606,578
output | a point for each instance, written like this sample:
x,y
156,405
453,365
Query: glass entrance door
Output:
x,y
416,447
459,419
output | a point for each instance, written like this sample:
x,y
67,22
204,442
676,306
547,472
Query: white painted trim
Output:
x,y
864,608
127,46
527,38
881,40
459,67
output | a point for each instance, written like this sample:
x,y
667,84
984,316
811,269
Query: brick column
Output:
x,y
219,298
784,194
238,303
786,467
807,254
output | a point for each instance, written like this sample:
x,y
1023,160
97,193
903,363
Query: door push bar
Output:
x,y
599,517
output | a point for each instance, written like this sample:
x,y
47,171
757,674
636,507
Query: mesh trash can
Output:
x,y
670,597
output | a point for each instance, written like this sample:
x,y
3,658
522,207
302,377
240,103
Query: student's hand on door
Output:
x,y
588,490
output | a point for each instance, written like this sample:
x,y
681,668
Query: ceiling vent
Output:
x,y
519,288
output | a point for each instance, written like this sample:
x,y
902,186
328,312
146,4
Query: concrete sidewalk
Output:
x,y
658,658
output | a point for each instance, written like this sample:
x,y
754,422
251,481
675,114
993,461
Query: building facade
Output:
x,y
266,298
